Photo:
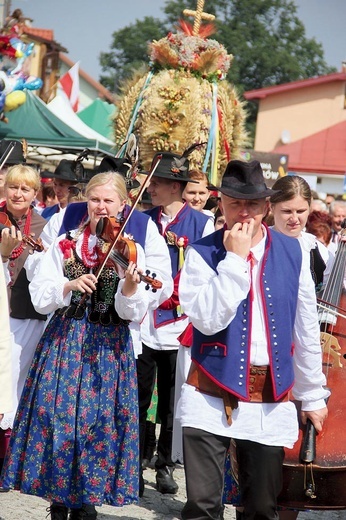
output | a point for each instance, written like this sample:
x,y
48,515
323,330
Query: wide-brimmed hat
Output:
x,y
244,180
119,165
65,171
173,166
16,156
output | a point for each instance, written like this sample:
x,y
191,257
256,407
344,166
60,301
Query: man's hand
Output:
x,y
238,239
317,417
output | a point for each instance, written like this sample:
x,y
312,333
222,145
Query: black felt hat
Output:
x,y
173,166
119,165
244,180
16,156
66,171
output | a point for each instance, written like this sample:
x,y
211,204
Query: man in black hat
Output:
x,y
64,176
11,153
250,296
179,224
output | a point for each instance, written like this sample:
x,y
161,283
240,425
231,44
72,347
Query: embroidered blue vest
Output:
x,y
189,223
225,356
48,212
77,213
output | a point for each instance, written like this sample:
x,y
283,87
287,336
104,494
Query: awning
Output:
x,y
34,122
99,116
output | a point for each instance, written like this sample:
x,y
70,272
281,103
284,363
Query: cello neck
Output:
x,y
333,289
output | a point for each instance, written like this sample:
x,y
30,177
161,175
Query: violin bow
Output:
x,y
121,230
132,208
7,153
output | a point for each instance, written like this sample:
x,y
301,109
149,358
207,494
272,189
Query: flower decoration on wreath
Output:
x,y
203,58
184,98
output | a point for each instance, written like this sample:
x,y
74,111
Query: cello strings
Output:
x,y
332,293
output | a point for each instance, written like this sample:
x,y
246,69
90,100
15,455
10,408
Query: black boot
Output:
x,y
58,512
86,512
141,484
2,490
165,482
149,444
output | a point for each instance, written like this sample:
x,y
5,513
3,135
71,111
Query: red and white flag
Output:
x,y
70,84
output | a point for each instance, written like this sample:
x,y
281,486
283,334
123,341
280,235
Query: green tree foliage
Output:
x,y
266,38
129,51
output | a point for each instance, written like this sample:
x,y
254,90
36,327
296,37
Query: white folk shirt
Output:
x,y
157,260
47,286
211,300
166,337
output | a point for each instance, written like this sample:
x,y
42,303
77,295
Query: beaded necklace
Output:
x,y
19,250
90,259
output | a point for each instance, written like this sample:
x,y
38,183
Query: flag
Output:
x,y
69,82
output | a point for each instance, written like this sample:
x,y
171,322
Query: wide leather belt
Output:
x,y
260,388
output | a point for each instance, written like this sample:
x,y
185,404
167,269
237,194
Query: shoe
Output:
x,y
57,512
165,483
86,512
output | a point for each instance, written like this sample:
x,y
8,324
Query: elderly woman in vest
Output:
x,y
21,186
75,438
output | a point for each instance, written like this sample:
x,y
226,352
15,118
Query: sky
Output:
x,y
85,27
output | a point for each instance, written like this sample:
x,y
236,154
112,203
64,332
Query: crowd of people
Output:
x,y
88,337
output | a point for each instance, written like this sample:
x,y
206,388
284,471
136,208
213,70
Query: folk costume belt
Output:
x,y
260,388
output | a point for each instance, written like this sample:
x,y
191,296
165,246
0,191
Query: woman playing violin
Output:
x,y
19,219
75,440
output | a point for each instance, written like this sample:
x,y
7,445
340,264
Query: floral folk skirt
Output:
x,y
75,437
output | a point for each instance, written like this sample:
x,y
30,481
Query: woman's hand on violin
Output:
x,y
317,417
84,284
10,239
132,279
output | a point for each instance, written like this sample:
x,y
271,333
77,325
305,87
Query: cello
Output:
x,y
314,471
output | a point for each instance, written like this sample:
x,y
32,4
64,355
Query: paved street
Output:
x,y
153,506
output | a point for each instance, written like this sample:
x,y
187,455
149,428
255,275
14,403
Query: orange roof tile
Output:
x,y
262,93
46,34
323,152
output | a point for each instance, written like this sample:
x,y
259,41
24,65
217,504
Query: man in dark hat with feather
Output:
x,y
180,225
250,296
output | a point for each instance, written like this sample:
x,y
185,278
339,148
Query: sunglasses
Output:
x,y
75,190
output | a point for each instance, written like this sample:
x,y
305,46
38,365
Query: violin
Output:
x,y
35,245
125,251
117,239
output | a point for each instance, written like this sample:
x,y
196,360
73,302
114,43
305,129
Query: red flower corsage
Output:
x,y
182,242
66,247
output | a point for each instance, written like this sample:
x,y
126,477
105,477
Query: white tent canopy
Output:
x,y
62,109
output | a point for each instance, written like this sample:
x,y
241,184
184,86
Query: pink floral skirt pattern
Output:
x,y
75,437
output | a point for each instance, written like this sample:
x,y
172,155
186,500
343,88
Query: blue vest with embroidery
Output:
x,y
225,356
48,212
188,223
77,213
